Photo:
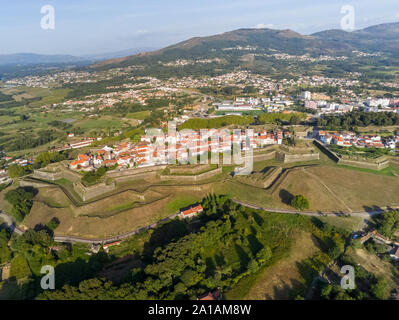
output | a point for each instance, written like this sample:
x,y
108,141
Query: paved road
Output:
x,y
362,214
9,221
11,224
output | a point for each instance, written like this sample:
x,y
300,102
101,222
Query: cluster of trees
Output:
x,y
93,177
29,141
3,186
16,171
124,108
5,97
33,249
85,89
53,223
350,120
182,260
228,91
370,153
21,200
45,158
388,223
60,124
214,123
367,285
5,251
134,135
291,118
29,252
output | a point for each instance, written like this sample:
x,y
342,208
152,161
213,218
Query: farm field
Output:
x,y
140,115
100,123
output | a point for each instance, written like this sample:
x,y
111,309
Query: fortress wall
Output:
x,y
27,183
70,175
272,177
364,164
188,169
289,158
295,149
47,175
201,176
394,162
328,151
143,175
87,193
267,156
133,171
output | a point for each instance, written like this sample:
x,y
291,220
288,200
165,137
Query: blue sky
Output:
x,y
89,27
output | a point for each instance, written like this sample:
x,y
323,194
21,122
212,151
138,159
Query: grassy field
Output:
x,y
280,280
100,123
178,202
56,96
342,222
140,115
115,214
388,171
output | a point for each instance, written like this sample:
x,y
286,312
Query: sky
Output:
x,y
91,27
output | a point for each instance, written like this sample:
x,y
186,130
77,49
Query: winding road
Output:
x,y
9,221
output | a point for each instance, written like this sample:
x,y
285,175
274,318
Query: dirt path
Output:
x,y
327,188
278,281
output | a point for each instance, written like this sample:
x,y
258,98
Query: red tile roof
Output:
x,y
192,210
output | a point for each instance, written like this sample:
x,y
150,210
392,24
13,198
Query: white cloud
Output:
x,y
140,32
263,25
396,15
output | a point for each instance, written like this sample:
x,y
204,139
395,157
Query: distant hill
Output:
x,y
382,38
32,58
41,59
118,54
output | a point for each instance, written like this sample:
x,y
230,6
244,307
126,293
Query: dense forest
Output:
x,y
350,120
214,123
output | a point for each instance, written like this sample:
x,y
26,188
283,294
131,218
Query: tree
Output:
x,y
294,120
380,289
21,201
19,267
299,202
4,249
53,223
16,171
253,266
388,223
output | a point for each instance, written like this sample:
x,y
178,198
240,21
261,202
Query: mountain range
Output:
x,y
382,38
